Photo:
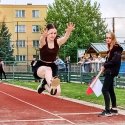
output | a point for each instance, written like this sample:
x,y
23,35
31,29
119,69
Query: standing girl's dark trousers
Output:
x,y
108,91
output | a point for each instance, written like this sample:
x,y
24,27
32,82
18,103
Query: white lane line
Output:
x,y
84,113
36,107
35,120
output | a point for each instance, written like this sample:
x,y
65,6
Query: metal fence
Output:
x,y
22,71
17,66
25,66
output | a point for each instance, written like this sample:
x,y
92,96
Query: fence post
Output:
x,y
81,74
68,75
13,69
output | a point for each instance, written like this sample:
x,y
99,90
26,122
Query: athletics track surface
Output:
x,y
19,106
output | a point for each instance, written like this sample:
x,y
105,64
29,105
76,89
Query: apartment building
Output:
x,y
24,23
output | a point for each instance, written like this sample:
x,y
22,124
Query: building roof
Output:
x,y
100,48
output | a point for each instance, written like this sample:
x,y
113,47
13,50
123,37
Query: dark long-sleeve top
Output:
x,y
113,61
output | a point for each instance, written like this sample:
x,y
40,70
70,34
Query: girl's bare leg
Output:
x,y
45,72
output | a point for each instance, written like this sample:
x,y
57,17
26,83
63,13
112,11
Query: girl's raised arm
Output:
x,y
42,38
69,29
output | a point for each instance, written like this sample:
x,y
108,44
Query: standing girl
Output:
x,y
111,69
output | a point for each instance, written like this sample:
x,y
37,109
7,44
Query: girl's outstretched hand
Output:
x,y
70,27
44,32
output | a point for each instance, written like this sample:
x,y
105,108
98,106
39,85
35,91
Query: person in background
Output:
x,y
32,67
2,69
67,69
101,61
32,64
94,63
87,64
67,63
45,68
81,62
111,69
60,64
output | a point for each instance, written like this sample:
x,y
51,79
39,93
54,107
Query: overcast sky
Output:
x,y
108,8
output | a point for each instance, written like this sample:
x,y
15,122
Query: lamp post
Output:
x,y
17,38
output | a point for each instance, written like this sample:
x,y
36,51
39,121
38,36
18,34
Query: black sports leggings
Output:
x,y
108,91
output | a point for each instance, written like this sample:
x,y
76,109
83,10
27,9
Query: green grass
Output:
x,y
77,91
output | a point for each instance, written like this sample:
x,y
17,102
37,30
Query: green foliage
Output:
x,y
89,26
5,49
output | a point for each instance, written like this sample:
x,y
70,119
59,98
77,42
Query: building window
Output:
x,y
35,13
20,43
20,58
36,43
20,28
20,13
35,28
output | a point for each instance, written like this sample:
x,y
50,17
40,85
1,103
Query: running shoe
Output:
x,y
114,111
105,113
41,87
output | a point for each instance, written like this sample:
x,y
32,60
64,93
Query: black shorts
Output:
x,y
41,63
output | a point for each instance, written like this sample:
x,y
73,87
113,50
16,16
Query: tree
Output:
x,y
90,27
6,52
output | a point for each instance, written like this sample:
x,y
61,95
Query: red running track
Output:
x,y
20,106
